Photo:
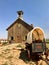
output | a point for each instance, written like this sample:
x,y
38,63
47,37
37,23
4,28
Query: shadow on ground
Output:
x,y
23,56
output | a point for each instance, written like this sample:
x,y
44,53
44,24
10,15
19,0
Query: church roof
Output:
x,y
22,22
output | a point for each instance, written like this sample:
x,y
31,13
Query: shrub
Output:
x,y
19,45
4,43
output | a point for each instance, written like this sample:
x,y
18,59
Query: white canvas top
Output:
x,y
35,34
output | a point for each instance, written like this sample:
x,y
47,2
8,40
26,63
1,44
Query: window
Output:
x,y
25,38
12,38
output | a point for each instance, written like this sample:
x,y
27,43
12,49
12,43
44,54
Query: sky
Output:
x,y
36,12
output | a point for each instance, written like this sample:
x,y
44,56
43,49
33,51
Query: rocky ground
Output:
x,y
12,55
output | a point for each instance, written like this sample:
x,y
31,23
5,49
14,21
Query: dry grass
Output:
x,y
47,45
10,55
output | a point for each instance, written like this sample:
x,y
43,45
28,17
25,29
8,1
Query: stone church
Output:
x,y
17,31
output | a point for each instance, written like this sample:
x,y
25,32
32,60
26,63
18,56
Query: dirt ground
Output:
x,y
11,55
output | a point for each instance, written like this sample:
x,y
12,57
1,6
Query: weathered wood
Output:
x,y
17,32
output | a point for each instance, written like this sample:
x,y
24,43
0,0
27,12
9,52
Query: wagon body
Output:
x,y
36,45
36,38
35,34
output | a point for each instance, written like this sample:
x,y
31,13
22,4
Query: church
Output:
x,y
18,30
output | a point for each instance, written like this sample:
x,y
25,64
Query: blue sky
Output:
x,y
36,12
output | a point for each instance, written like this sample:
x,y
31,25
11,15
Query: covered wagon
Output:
x,y
35,34
35,44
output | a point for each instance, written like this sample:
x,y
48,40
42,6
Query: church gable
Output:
x,y
18,30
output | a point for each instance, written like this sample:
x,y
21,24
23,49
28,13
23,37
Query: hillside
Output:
x,y
12,55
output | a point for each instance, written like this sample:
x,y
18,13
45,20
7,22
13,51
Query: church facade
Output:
x,y
17,31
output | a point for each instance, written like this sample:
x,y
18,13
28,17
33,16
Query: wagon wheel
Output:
x,y
28,54
47,55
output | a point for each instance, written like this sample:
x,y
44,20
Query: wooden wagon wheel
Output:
x,y
28,54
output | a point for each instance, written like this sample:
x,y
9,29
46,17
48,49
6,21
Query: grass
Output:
x,y
9,57
20,46
47,45
7,50
4,43
47,40
5,63
0,54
